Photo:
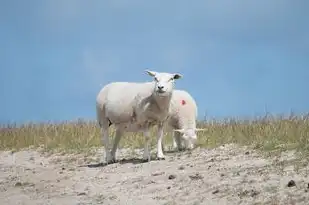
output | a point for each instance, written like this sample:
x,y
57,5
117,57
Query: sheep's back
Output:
x,y
183,110
118,99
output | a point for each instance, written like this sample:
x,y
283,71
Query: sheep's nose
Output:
x,y
160,87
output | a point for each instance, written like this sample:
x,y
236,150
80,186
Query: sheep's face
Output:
x,y
189,137
164,82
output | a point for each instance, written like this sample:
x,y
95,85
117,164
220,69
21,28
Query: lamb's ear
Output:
x,y
200,129
177,76
151,73
179,130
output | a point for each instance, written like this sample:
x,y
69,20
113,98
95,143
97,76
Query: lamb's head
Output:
x,y
189,136
164,82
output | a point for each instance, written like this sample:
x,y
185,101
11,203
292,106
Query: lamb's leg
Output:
x,y
175,146
160,154
177,141
146,156
118,136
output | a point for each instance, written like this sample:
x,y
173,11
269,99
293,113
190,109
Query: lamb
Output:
x,y
135,107
182,119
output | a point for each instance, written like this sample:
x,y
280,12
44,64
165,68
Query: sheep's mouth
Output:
x,y
160,91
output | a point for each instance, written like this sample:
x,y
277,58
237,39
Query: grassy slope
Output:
x,y
267,133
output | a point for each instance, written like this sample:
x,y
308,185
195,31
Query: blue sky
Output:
x,y
236,56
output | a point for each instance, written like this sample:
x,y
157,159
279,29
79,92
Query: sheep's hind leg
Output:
x,y
118,136
105,141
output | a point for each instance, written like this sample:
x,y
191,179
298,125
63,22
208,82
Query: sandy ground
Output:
x,y
225,175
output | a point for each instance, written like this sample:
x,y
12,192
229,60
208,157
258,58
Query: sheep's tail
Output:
x,y
101,115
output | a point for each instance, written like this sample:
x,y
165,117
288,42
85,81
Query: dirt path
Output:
x,y
225,175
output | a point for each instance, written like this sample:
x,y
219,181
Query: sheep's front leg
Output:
x,y
160,154
146,156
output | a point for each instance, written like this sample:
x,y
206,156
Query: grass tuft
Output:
x,y
269,133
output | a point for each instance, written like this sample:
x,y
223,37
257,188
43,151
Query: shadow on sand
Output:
x,y
122,161
132,160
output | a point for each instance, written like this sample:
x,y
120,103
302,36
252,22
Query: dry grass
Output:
x,y
267,133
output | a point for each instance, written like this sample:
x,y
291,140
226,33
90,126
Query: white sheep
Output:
x,y
182,119
135,107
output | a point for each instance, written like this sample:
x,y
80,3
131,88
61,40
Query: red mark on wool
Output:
x,y
183,102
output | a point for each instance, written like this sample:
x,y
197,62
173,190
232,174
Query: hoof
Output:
x,y
160,158
145,160
182,149
112,161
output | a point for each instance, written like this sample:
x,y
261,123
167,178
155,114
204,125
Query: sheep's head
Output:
x,y
189,136
164,82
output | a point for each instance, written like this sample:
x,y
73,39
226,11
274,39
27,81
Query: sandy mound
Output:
x,y
225,175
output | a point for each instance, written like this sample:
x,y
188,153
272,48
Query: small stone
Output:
x,y
254,193
172,176
222,175
181,167
291,183
157,173
18,184
168,187
247,152
151,182
216,191
196,176
81,193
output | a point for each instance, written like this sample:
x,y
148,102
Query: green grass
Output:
x,y
266,133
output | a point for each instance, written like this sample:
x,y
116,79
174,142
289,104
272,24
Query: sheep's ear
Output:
x,y
177,76
151,73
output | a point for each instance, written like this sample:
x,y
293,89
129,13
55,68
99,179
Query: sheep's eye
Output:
x,y
171,79
156,79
